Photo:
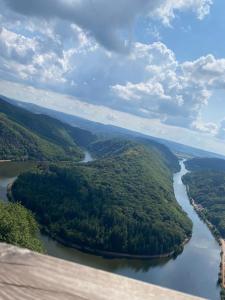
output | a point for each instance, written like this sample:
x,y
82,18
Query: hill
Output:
x,y
111,131
207,188
206,183
205,164
111,147
25,135
123,202
169,158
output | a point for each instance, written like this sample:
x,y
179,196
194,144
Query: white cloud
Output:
x,y
166,11
16,47
205,127
107,20
173,91
207,71
31,60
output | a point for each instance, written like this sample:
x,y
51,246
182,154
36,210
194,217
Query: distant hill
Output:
x,y
123,202
205,164
27,135
110,131
112,147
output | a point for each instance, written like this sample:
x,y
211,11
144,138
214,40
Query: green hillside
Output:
x,y
116,146
205,164
18,227
207,188
122,202
24,135
18,143
166,154
206,183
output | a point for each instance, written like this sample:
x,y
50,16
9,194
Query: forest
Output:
x,y
205,164
122,202
29,136
18,227
207,188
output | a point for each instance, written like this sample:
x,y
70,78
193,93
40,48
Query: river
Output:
x,y
194,271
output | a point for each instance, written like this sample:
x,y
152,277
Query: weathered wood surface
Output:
x,y
25,275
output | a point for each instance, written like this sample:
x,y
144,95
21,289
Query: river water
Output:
x,y
194,271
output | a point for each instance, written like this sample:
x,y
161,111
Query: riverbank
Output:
x,y
106,254
114,255
222,263
222,274
200,210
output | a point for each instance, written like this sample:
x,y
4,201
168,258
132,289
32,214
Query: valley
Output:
x,y
178,273
111,199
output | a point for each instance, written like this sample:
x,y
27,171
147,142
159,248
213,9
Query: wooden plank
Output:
x,y
25,275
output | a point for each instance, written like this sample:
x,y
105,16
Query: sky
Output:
x,y
154,66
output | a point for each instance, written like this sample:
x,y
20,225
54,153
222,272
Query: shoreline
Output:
x,y
103,253
114,255
199,210
222,263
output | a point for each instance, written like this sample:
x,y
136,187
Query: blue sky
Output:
x,y
190,38
155,66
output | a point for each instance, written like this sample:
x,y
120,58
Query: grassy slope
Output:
x,y
122,202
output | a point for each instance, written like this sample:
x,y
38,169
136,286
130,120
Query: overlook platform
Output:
x,y
25,275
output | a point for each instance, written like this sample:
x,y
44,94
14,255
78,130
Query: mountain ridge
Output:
x,y
105,130
37,136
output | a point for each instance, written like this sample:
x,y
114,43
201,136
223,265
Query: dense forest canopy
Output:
x,y
207,188
25,135
122,202
205,164
18,227
111,144
167,155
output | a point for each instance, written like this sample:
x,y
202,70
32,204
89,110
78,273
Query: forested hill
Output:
x,y
205,164
167,155
206,183
122,202
207,188
116,146
25,135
